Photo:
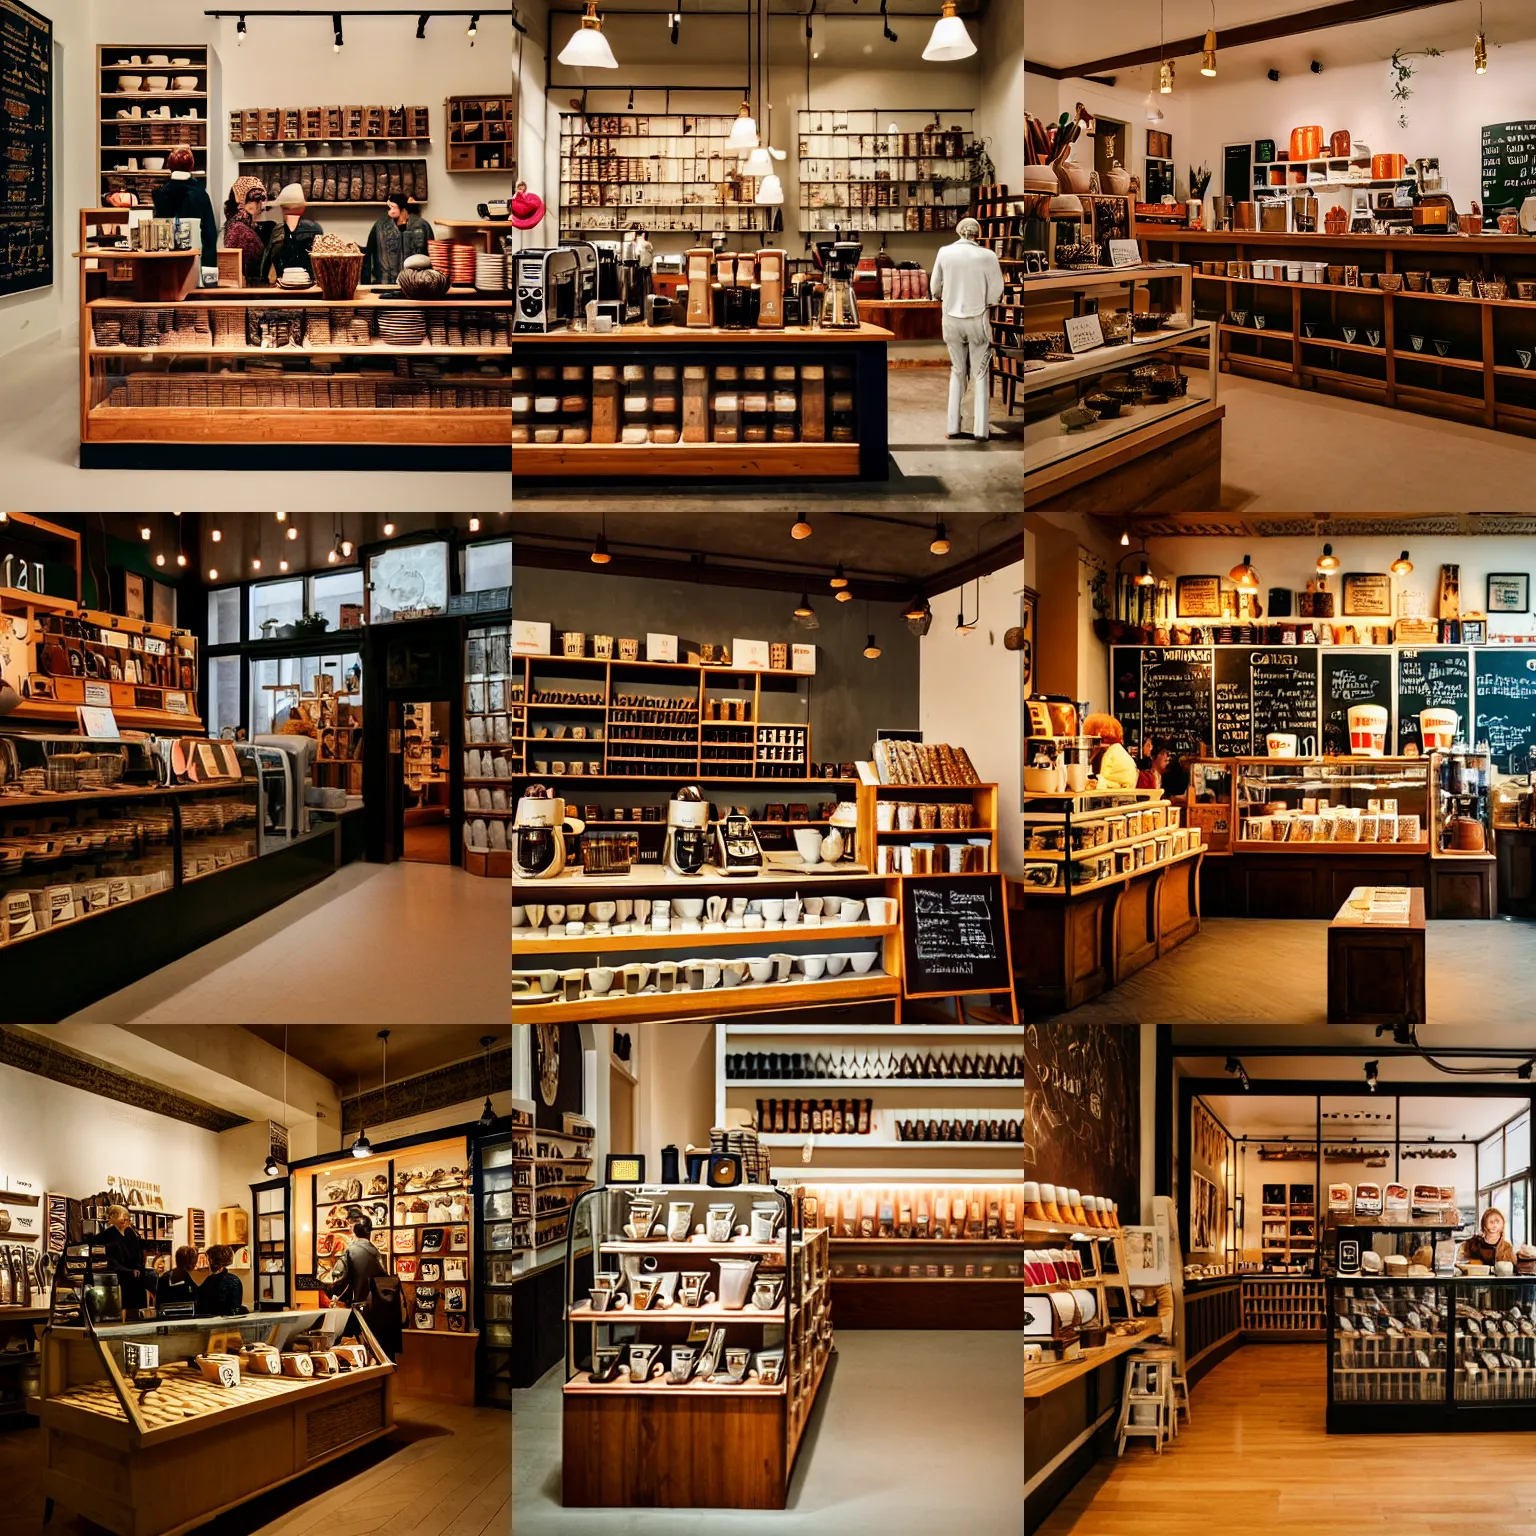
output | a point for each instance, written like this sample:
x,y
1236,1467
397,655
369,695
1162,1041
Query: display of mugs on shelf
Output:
x,y
658,978
699,914
870,1066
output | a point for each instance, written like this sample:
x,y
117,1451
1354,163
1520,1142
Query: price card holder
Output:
x,y
96,722
1084,333
1124,253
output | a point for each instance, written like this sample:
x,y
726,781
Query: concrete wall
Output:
x,y
850,696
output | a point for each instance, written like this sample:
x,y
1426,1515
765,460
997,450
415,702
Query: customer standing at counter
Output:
x,y
291,239
178,1288
125,1258
180,197
1115,767
401,233
1490,1246
967,279
220,1295
242,225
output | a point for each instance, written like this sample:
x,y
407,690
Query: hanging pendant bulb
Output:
x,y
950,40
804,610
588,48
1165,77
770,192
801,529
1402,566
759,162
362,1147
1480,55
1208,56
1244,576
871,649
744,130
1327,561
600,555
1151,110
838,580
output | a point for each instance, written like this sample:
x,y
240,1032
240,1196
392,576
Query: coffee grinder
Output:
x,y
839,307
687,845
771,267
700,263
538,835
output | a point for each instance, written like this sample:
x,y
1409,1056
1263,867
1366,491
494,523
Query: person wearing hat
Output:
x,y
401,233
243,225
967,279
289,243
179,196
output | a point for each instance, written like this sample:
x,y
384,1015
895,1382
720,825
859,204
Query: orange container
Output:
x,y
1307,143
1387,167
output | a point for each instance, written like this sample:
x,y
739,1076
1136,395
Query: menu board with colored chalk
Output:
x,y
1164,692
26,210
955,935
1432,679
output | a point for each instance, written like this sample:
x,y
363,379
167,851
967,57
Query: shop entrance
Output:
x,y
421,778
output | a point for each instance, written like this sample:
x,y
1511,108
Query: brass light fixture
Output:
x,y
1208,55
1480,47
1164,66
1244,576
1402,566
1327,561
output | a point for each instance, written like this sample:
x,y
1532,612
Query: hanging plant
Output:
x,y
1403,72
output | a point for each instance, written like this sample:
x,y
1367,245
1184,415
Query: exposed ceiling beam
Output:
x,y
1344,13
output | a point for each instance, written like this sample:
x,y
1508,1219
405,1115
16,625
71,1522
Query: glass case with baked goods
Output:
x,y
1387,1341
1075,841
1351,802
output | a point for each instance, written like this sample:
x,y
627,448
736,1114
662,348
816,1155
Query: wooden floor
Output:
x,y
1256,1459
446,1471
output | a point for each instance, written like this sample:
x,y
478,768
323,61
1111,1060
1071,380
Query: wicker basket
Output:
x,y
337,275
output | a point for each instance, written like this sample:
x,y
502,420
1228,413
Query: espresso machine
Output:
x,y
546,284
538,835
687,845
733,293
586,272
839,266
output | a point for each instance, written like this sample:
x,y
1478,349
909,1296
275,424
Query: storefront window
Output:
x,y
329,593
282,601
224,616
223,708
488,565
1490,1158
1517,1144
1519,1213
275,686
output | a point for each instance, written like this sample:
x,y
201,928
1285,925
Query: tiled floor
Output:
x,y
913,1434
375,943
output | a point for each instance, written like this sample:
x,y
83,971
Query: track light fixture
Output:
x,y
801,529
421,24
474,28
885,24
240,30
1235,1069
1327,561
674,26
338,40
1371,1075
939,544
1402,566
487,1115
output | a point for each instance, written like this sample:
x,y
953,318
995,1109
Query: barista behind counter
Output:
x,y
294,235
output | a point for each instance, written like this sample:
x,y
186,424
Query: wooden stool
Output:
x,y
1178,1387
1146,1386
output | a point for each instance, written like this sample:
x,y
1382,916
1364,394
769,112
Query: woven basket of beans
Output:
x,y
338,265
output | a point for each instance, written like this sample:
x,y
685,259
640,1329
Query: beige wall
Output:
x,y
677,1088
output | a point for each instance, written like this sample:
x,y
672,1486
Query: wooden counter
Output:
x,y
1040,1380
1376,970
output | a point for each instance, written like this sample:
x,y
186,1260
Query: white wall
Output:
x,y
971,693
1449,105
1000,112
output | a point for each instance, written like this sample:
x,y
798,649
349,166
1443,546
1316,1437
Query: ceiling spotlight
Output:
x,y
1402,566
293,532
213,575
1371,1075
600,555
216,535
674,25
255,562
1235,1068
362,1147
181,559
801,529
940,542
1274,75
1125,538
950,40
1244,575
474,28
389,530
1327,561
421,24
474,525
838,579
338,40
282,565
588,48
240,30
804,609
871,650
144,534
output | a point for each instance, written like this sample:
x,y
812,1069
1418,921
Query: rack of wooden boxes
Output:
x,y
166,117
1282,1310
943,817
359,157
480,133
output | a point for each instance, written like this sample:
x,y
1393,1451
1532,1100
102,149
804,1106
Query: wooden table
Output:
x,y
1376,968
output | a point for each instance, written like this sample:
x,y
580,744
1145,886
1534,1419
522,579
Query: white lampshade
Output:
x,y
743,131
770,190
950,40
759,162
588,48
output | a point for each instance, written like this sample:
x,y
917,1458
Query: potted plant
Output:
x,y
310,625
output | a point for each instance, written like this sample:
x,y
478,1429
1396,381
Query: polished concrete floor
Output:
x,y
444,1471
40,440
913,1434
929,474
1362,458
1273,971
375,943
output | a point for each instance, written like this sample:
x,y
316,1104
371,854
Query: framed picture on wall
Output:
x,y
1367,594
1474,631
1159,144
1199,597
1509,592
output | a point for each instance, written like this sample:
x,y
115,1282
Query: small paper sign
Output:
x,y
99,694
99,723
660,647
1084,333
751,655
530,638
802,658
1124,253
177,704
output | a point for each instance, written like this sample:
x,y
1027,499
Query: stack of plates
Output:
x,y
463,269
441,253
402,327
490,272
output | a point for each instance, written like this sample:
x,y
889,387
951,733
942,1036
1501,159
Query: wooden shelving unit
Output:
x,y
1289,1225
189,130
1283,1311
479,134
872,842
275,127
493,724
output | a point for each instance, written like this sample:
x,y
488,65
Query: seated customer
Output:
x,y
402,232
1490,1246
178,1288
1156,765
291,239
220,1295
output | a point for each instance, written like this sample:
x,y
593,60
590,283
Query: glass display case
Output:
x,y
1077,841
1346,802
493,749
1208,802
498,1160
1387,1342
1462,804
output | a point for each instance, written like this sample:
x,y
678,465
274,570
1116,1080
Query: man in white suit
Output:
x,y
967,279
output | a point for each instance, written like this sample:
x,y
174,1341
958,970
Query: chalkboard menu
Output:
x,y
1350,678
1432,679
1168,688
26,211
955,935
1260,689
1506,707
1509,164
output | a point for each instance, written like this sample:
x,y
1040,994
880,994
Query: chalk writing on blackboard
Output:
x,y
26,207
1509,164
953,936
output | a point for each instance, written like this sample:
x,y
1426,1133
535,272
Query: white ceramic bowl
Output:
x,y
157,82
186,82
689,906
861,963
836,964
814,966
153,162
129,82
759,970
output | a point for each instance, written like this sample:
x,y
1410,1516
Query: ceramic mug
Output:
x,y
573,643
1280,744
636,974
600,978
814,966
792,909
719,1223
519,916
772,911
759,969
808,845
666,975
783,965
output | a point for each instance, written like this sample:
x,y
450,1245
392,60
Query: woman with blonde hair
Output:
x,y
1115,767
125,1258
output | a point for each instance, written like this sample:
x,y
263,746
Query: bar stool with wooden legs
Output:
x,y
1178,1387
1144,1405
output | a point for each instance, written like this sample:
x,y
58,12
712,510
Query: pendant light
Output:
x,y
940,542
871,645
1327,561
1164,66
838,580
1208,53
588,48
1480,47
1402,566
1244,576
270,1167
362,1147
801,529
743,135
1151,110
950,40
600,555
770,192
487,1118
804,610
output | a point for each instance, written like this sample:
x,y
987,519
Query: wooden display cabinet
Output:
x,y
167,1462
120,139
979,800
696,1444
480,131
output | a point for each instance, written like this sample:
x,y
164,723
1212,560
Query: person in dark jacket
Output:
x,y
220,1295
289,243
181,196
244,228
351,1284
178,1288
125,1258
399,234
